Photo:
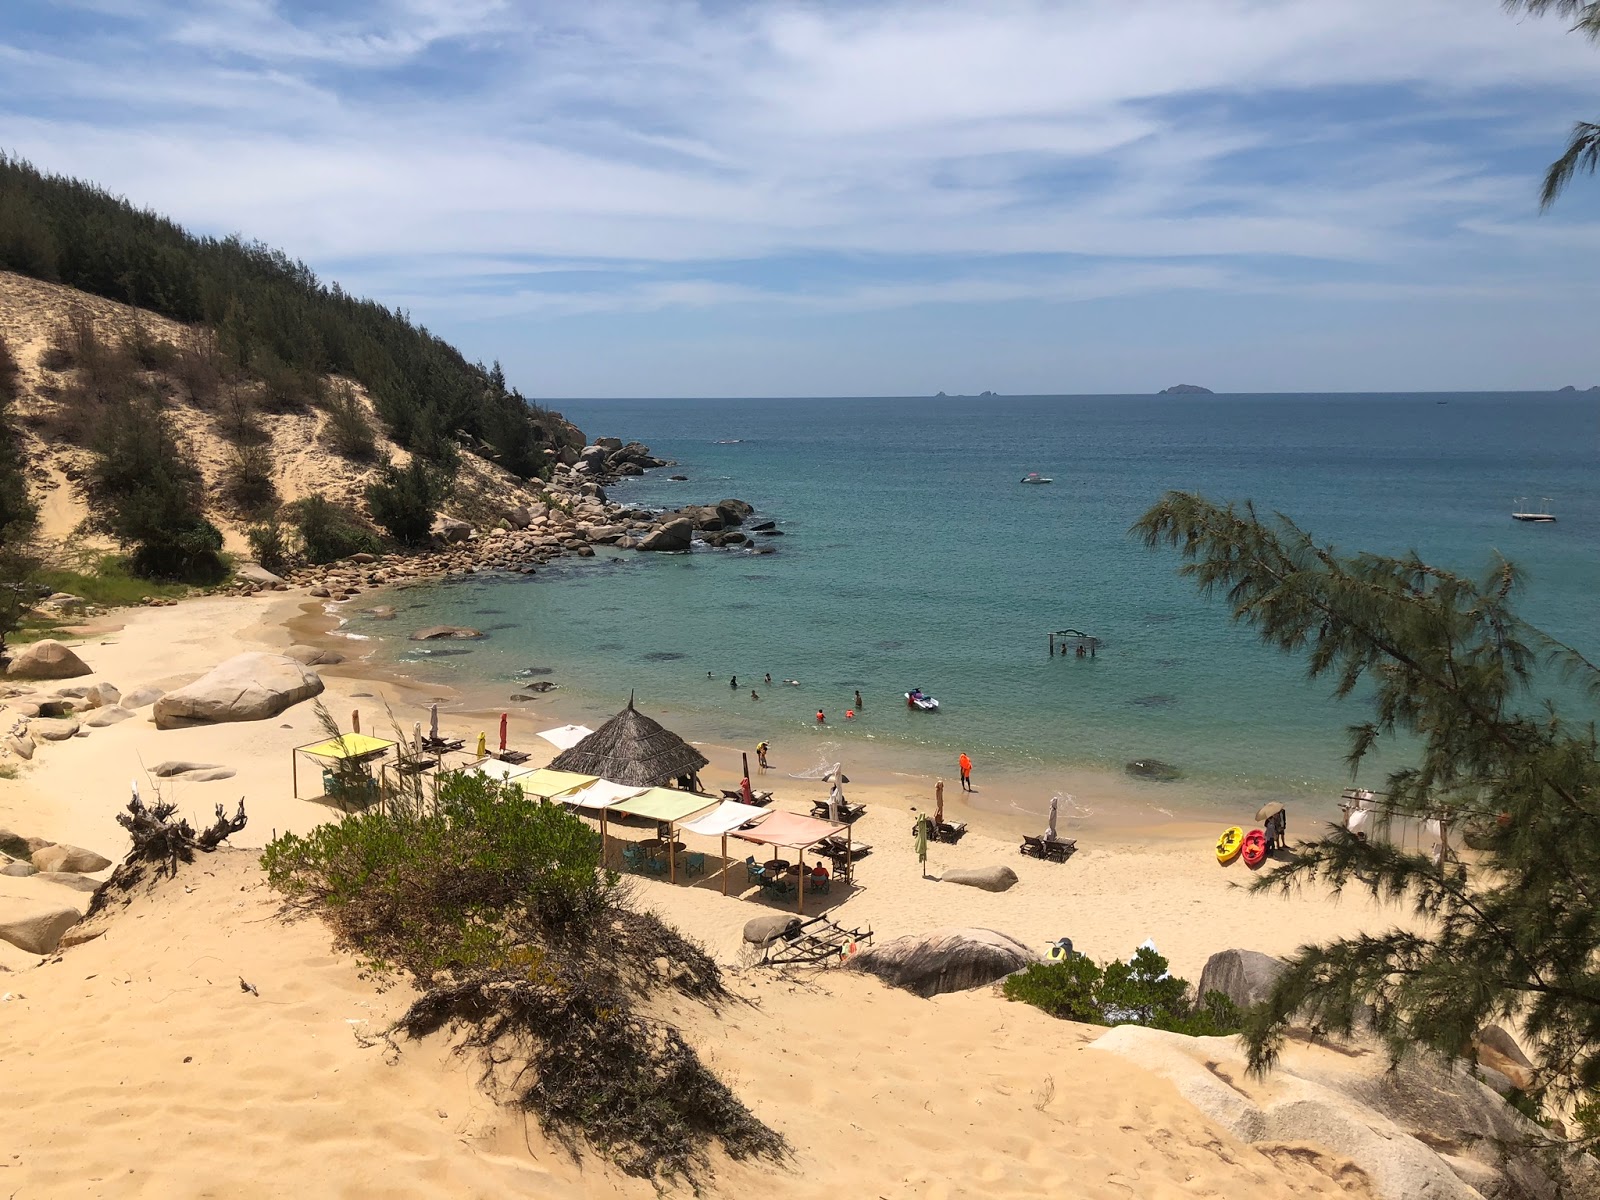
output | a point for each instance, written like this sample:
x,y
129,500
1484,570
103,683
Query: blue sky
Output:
x,y
639,199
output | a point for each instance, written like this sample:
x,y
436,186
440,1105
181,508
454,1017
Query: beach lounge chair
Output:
x,y
950,831
1059,849
1033,847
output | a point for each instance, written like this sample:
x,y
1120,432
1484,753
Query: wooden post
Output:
x,y
294,771
802,881
672,853
724,864
603,854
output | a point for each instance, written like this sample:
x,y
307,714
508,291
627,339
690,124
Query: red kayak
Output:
x,y
1254,852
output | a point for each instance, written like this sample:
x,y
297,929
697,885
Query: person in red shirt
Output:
x,y
966,772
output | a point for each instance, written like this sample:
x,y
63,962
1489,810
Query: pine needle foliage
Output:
x,y
1583,145
1447,666
18,515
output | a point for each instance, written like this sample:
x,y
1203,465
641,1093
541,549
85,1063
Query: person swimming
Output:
x,y
769,677
753,695
792,682
821,720
734,683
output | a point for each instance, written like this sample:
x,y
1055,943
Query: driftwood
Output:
x,y
160,840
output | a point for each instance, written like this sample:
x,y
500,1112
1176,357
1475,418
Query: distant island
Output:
x,y
981,395
1186,389
1593,387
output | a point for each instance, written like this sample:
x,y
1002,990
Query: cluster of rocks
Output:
x,y
608,459
33,716
39,922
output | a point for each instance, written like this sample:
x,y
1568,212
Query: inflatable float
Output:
x,y
1254,850
1228,844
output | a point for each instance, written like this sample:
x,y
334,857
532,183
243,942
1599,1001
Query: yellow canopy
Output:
x,y
547,783
349,745
664,804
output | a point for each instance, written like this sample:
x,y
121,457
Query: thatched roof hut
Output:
x,y
632,749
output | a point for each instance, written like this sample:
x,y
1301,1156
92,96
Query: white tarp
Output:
x,y
495,769
602,793
726,817
566,737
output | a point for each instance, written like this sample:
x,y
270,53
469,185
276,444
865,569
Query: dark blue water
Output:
x,y
913,556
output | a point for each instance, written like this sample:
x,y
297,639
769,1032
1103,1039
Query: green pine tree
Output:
x,y
18,515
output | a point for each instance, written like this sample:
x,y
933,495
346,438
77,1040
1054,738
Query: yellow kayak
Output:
x,y
1229,845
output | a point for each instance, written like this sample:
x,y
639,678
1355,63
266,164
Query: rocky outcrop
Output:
x,y
1185,389
988,879
449,530
944,960
47,659
69,858
674,535
1243,976
313,656
434,633
247,687
254,573
140,697
34,925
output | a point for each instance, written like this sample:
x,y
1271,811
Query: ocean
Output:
x,y
912,556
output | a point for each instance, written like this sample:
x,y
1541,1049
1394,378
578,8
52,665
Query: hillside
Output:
x,y
35,316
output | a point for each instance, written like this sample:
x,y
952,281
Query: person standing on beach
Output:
x,y
761,755
965,764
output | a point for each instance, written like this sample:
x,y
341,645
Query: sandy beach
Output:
x,y
144,1035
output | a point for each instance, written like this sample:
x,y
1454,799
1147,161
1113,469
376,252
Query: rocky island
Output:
x,y
1186,389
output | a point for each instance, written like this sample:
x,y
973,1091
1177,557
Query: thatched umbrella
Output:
x,y
632,749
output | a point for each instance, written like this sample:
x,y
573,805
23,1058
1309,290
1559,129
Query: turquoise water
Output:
x,y
912,556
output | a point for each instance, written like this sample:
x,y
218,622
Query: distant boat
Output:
x,y
1035,477
1542,517
728,441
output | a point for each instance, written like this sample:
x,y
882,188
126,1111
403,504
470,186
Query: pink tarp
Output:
x,y
789,829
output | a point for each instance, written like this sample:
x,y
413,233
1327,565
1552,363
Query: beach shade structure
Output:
x,y
1267,811
720,822
566,736
360,748
666,806
630,748
552,785
1050,825
600,794
794,832
496,769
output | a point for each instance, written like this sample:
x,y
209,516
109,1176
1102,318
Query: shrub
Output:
x,y
405,500
18,515
247,480
269,542
145,491
236,417
197,368
328,532
1140,992
347,428
283,389
142,347
498,907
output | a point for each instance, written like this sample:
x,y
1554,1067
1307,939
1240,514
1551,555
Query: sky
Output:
x,y
784,199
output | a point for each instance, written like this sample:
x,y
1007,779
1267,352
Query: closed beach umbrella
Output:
x,y
355,720
502,732
835,794
1050,826
433,722
922,843
483,745
416,736
1267,811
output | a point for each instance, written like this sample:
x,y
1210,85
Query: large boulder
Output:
x,y
48,659
449,529
101,717
313,656
944,960
103,694
434,633
674,535
19,869
34,925
247,687
19,744
989,879
1497,1050
1243,976
142,697
733,512
54,731
257,574
62,857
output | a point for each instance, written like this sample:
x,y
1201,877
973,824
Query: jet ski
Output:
x,y
924,703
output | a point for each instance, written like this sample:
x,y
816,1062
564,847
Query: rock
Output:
x,y
15,845
248,687
381,612
519,517
178,766
35,844
945,960
34,925
433,633
142,696
78,883
989,879
19,870
48,659
210,775
1497,1050
101,717
312,656
763,526
54,731
1152,768
321,593
609,444
733,512
363,557
254,573
21,745
1243,976
1185,389
103,694
678,478
674,535
69,858
763,930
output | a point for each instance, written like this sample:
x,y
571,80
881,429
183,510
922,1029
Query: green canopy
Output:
x,y
664,804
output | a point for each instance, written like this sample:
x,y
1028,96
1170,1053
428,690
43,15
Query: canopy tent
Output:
x,y
794,832
499,770
347,747
667,805
567,736
720,822
600,794
549,785
632,749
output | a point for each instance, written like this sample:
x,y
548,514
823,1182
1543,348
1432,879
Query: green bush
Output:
x,y
145,491
347,428
18,516
247,480
1140,992
328,532
106,580
405,499
269,542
